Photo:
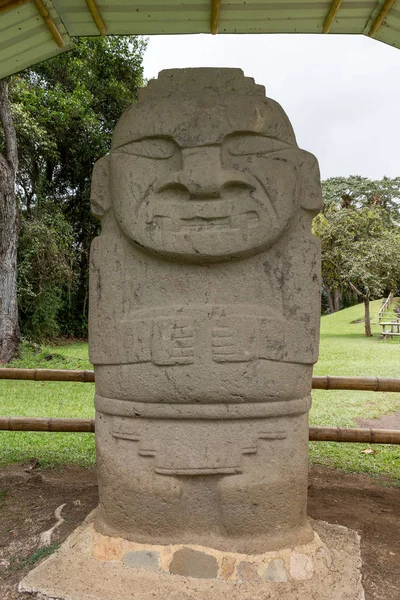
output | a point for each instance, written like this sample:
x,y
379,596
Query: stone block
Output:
x,y
228,565
276,571
301,566
248,571
142,559
191,563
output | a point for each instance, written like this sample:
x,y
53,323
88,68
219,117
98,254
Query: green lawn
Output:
x,y
344,351
48,399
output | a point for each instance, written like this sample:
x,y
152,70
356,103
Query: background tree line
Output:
x,y
360,238
64,111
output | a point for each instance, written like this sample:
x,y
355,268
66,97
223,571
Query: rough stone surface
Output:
x,y
301,566
191,563
204,317
228,564
276,571
142,559
73,573
248,571
104,550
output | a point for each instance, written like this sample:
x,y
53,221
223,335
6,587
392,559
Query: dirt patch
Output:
x,y
390,421
27,505
28,502
371,508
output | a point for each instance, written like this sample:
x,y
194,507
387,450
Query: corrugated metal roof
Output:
x,y
26,37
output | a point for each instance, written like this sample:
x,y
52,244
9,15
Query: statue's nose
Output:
x,y
202,174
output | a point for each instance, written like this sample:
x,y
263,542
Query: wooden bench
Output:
x,y
386,334
393,331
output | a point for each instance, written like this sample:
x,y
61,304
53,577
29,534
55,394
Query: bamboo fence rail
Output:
x,y
325,382
47,375
368,384
45,424
316,434
354,435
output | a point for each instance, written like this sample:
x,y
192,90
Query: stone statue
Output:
x,y
204,317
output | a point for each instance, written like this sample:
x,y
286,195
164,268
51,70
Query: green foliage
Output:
x,y
45,270
360,237
357,192
33,356
65,110
360,249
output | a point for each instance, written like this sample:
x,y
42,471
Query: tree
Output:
x,y
65,110
354,192
357,192
360,252
9,330
45,270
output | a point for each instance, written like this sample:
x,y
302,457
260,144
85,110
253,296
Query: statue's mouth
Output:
x,y
198,224
202,223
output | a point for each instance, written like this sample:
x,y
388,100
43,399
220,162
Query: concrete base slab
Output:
x,y
91,566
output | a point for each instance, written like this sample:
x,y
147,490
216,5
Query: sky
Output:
x,y
341,93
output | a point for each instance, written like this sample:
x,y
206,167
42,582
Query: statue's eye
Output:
x,y
244,145
157,148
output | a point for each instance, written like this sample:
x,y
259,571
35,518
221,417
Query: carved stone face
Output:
x,y
190,186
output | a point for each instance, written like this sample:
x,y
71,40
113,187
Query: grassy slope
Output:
x,y
344,351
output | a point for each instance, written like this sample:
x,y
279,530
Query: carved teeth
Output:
x,y
242,221
253,220
203,223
